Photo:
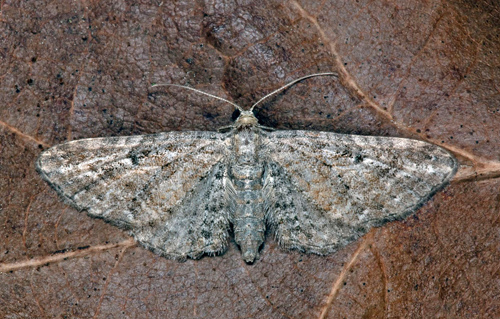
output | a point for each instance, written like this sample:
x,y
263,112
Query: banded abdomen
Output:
x,y
245,173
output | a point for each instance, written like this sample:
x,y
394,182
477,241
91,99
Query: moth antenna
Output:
x,y
201,92
292,83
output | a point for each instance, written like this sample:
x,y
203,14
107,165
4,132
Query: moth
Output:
x,y
182,194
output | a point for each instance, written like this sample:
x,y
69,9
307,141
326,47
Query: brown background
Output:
x,y
428,70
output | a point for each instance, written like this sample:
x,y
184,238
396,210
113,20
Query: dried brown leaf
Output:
x,y
426,70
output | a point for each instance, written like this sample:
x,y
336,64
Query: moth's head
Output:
x,y
246,119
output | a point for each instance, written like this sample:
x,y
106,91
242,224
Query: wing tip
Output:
x,y
41,165
453,165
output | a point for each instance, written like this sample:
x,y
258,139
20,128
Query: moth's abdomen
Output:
x,y
245,173
248,223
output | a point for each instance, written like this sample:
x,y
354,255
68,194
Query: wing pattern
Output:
x,y
324,190
320,190
147,184
198,225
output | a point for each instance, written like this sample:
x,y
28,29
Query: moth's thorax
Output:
x,y
246,145
246,166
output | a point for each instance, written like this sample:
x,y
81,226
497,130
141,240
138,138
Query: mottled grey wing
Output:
x,y
164,188
324,190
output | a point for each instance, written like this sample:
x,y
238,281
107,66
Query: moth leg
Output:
x,y
266,128
225,128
